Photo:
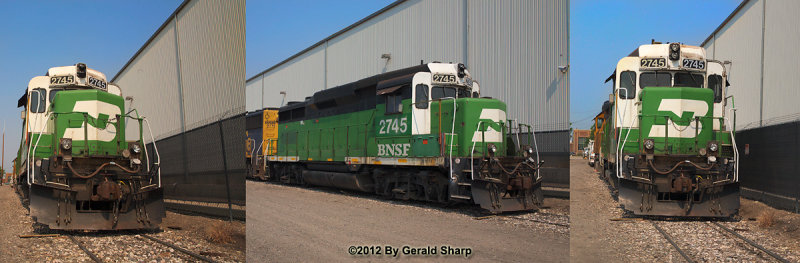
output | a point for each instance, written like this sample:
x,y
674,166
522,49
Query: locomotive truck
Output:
x,y
75,170
420,133
668,145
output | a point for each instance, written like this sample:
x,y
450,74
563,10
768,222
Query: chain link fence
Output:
x,y
205,164
769,169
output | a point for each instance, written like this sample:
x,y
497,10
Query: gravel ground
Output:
x,y
596,237
289,223
185,231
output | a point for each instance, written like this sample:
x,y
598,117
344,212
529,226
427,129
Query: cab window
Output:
x,y
691,80
627,85
442,92
394,103
421,96
655,79
715,83
53,94
37,100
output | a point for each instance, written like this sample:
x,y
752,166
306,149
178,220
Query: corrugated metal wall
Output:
x,y
299,78
513,48
211,45
758,39
254,93
781,56
208,36
154,71
188,80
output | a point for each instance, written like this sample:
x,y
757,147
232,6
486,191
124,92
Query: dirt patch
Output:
x,y
320,224
782,223
186,231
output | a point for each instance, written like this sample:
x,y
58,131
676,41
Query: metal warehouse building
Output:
x,y
188,80
518,51
760,40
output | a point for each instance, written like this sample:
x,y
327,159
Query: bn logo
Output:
x,y
680,107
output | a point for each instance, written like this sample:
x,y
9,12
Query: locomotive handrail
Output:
x,y
452,131
31,148
155,147
32,156
472,155
622,143
735,149
535,147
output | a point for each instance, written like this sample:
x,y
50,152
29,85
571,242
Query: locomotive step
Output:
x,y
460,197
492,180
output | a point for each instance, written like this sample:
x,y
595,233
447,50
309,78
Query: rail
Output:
x,y
754,244
672,242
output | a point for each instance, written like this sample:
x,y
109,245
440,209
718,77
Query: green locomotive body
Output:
x,y
74,168
667,146
419,133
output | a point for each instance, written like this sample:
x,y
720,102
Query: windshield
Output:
x,y
655,79
685,79
53,94
440,92
671,79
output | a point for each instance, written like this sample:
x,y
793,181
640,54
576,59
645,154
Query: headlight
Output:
x,y
66,144
492,148
649,144
712,146
674,51
530,150
136,149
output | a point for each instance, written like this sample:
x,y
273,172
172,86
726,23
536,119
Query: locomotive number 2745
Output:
x,y
392,126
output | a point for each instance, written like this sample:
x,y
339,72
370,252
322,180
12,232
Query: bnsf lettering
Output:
x,y
397,149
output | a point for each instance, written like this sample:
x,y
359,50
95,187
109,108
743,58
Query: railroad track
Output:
x,y
541,221
672,242
96,259
753,244
722,229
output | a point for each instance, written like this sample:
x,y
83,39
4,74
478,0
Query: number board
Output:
x,y
393,126
444,78
653,63
98,83
62,80
694,64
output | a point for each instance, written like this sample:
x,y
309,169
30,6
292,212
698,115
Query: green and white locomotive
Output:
x,y
668,144
74,168
419,133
